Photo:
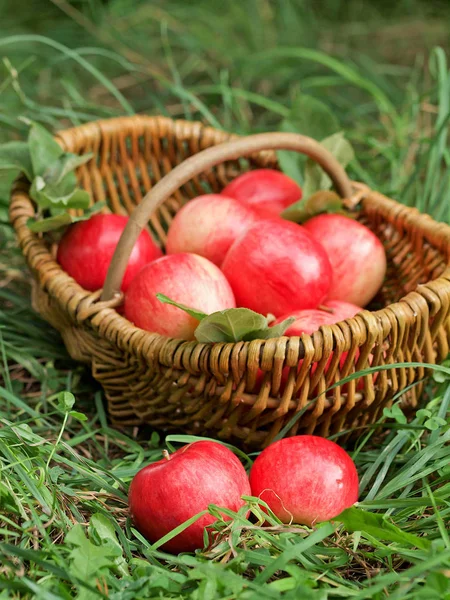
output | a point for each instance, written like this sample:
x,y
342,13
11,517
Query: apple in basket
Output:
x,y
185,278
305,479
208,225
165,494
309,321
356,254
277,267
87,247
266,190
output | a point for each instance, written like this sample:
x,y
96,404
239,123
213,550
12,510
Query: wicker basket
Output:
x,y
216,389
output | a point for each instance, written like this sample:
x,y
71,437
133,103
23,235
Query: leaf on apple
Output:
x,y
231,324
324,201
197,314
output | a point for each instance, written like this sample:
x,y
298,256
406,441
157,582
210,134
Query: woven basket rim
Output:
x,y
85,307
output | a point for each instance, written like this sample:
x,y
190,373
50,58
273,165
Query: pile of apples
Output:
x,y
303,479
234,249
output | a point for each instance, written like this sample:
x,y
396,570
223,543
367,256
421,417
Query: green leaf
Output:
x,y
16,156
87,559
62,219
65,401
78,416
315,178
44,150
376,525
46,196
102,531
55,473
434,423
197,314
51,223
67,163
323,201
310,117
396,413
230,325
270,332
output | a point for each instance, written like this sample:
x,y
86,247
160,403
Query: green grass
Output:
x,y
64,528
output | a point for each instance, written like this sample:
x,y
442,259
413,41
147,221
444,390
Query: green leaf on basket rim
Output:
x,y
231,324
271,332
376,525
48,196
65,165
63,219
16,156
44,150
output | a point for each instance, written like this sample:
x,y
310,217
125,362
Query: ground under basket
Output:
x,y
237,391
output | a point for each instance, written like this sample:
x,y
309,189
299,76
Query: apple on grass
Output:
x,y
305,479
208,225
186,278
356,255
268,191
276,267
165,494
87,247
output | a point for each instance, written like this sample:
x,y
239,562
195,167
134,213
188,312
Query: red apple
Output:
x,y
208,225
186,278
356,255
167,493
309,321
305,479
266,190
87,247
277,267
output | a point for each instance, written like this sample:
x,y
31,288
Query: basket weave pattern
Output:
x,y
219,389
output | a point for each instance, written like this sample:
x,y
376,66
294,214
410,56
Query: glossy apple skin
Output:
x,y
277,267
186,278
208,225
309,321
87,247
356,255
305,479
267,191
167,493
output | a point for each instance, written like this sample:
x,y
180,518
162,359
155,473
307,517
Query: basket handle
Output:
x,y
200,162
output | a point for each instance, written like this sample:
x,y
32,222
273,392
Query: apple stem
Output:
x,y
166,454
327,309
